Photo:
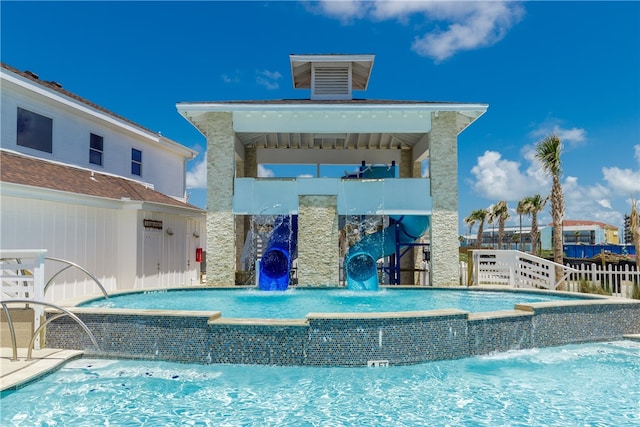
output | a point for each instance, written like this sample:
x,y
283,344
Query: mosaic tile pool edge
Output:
x,y
342,342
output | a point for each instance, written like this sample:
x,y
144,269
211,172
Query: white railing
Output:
x,y
514,268
618,280
22,278
521,270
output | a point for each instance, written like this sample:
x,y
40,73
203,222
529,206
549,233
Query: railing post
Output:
x,y
513,262
38,285
22,275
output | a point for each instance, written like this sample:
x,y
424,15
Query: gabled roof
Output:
x,y
57,88
34,172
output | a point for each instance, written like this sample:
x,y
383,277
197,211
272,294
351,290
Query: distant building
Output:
x,y
628,235
93,188
582,232
515,238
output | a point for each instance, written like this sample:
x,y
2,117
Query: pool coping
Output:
x,y
15,374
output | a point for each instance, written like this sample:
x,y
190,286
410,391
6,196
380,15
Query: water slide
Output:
x,y
275,264
361,258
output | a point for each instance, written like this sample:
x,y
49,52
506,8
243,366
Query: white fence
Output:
x,y
521,270
615,279
22,278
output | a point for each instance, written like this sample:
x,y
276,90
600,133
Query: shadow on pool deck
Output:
x,y
14,374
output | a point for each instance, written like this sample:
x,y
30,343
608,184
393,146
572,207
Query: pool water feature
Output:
x,y
356,333
297,303
587,384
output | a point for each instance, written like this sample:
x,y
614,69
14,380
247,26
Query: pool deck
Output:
x,y
16,373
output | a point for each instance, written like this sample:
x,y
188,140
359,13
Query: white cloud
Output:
x,y
197,175
593,202
501,179
268,79
230,79
570,137
467,24
497,178
472,25
345,10
264,172
622,181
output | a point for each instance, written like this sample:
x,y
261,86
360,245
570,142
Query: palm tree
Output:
x,y
548,152
531,205
479,216
635,229
499,212
520,211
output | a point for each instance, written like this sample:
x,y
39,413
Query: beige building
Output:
x,y
331,128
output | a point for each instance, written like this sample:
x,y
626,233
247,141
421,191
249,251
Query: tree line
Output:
x,y
548,151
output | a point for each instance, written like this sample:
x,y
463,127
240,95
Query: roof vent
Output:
x,y
331,82
331,77
32,74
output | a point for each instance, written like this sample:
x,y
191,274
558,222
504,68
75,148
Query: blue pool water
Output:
x,y
296,303
577,385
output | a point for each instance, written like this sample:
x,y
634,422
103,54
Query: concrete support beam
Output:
x,y
443,167
318,249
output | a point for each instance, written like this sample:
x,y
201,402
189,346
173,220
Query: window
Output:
x,y
96,145
136,162
34,131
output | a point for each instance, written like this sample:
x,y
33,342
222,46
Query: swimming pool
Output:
x,y
297,303
587,384
348,337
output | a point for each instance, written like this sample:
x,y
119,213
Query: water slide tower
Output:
x,y
331,127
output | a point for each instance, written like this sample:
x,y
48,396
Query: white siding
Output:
x,y
105,241
162,167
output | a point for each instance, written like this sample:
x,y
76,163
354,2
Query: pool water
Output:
x,y
586,385
296,303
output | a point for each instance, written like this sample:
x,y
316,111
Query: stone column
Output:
x,y
221,244
443,171
407,263
418,250
318,250
247,168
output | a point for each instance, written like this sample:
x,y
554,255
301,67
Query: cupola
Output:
x,y
333,76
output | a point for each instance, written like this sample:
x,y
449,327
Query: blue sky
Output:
x,y
567,67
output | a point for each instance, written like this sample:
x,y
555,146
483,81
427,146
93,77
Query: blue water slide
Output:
x,y
275,265
361,258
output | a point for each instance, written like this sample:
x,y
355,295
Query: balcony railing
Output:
x,y
279,196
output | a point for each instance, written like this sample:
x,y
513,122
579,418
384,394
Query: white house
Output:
x,y
93,188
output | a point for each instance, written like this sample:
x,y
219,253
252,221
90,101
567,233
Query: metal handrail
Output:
x,y
37,331
73,264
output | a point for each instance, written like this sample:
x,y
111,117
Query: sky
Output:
x,y
569,68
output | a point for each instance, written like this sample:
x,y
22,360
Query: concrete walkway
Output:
x,y
14,374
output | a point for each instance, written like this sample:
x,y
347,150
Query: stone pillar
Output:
x,y
407,263
443,171
318,250
221,242
418,250
241,227
246,169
